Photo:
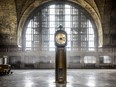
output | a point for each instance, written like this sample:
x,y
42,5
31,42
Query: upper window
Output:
x,y
42,25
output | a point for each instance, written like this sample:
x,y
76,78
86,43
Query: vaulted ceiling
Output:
x,y
13,14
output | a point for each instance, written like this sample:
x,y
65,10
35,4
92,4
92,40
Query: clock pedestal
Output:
x,y
60,70
60,61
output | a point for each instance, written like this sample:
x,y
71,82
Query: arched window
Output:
x,y
41,27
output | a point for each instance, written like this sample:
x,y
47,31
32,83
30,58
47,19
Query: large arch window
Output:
x,y
42,25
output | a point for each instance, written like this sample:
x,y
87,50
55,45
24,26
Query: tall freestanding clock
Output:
x,y
60,61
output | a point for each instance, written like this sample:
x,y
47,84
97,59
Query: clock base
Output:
x,y
60,70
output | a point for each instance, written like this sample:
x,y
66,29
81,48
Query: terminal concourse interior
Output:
x,y
27,42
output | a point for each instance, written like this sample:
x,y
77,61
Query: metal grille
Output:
x,y
42,26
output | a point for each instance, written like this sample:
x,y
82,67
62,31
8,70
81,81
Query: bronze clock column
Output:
x,y
60,61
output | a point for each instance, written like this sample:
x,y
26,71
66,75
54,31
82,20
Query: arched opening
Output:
x,y
39,29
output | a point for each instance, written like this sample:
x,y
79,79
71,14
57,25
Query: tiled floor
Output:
x,y
46,78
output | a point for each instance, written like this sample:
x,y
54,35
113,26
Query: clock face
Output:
x,y
61,38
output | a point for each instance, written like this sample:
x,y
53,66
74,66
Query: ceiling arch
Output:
x,y
89,6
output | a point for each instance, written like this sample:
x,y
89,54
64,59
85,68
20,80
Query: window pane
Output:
x,y
43,25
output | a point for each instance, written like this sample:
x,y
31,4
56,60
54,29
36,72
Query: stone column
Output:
x,y
97,61
82,61
5,59
22,62
1,60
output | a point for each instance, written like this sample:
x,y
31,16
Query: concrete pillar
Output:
x,y
82,61
113,60
5,59
1,60
22,62
36,65
97,61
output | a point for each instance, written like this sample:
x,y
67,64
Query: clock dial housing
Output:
x,y
60,38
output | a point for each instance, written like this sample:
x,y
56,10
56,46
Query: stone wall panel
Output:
x,y
7,22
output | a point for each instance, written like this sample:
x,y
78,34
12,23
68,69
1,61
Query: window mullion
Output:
x,y
40,30
79,30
